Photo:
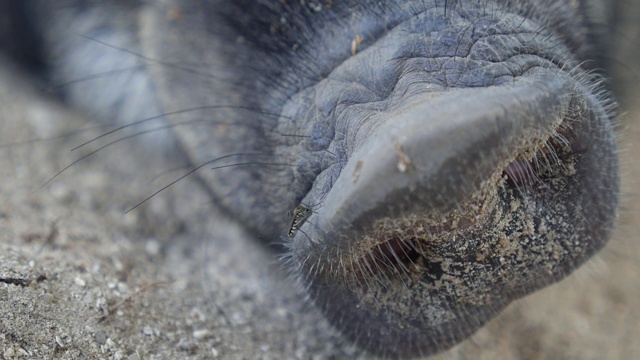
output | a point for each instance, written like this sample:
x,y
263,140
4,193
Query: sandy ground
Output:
x,y
80,280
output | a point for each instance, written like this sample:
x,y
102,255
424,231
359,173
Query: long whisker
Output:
x,y
155,117
213,168
95,151
97,76
140,133
152,60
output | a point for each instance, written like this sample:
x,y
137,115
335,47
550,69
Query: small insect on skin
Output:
x,y
299,215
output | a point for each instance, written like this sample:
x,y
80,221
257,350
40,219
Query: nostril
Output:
x,y
397,252
556,157
519,173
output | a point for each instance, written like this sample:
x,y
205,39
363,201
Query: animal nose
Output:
x,y
429,229
436,151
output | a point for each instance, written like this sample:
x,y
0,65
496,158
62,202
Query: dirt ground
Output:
x,y
80,280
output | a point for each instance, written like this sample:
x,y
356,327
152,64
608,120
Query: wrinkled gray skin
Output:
x,y
454,156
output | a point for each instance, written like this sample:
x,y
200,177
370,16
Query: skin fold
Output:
x,y
422,164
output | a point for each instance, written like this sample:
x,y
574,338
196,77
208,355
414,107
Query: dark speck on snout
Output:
x,y
356,171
